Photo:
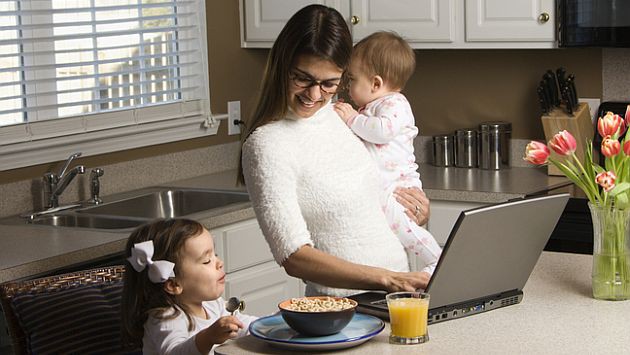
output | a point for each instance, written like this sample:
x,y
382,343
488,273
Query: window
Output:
x,y
99,76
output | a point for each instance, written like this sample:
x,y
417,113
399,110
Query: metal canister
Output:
x,y
494,145
466,148
443,152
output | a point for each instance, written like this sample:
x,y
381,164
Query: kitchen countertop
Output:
x,y
31,250
477,185
557,316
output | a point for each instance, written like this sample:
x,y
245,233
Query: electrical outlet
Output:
x,y
234,117
593,105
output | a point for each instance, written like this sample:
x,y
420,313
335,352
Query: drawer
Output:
x,y
241,245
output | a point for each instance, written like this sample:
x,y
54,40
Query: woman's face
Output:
x,y
312,82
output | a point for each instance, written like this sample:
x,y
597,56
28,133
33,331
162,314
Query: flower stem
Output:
x,y
590,180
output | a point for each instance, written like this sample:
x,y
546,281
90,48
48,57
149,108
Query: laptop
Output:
x,y
487,259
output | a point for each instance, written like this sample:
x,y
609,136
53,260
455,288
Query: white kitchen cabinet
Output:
x,y
252,273
511,21
262,287
418,21
443,216
445,24
262,20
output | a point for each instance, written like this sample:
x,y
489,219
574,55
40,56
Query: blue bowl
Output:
x,y
317,323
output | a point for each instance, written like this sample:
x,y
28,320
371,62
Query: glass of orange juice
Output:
x,y
408,313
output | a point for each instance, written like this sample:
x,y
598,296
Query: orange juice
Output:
x,y
408,317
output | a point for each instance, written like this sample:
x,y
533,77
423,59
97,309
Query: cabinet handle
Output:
x,y
543,18
355,20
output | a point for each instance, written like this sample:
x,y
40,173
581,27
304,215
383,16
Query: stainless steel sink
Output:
x,y
131,209
86,221
168,203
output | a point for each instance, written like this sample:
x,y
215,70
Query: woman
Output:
x,y
314,188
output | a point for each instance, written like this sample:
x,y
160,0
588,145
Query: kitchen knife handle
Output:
x,y
572,90
541,99
568,99
554,85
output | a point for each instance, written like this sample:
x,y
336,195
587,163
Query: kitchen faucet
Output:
x,y
95,186
55,184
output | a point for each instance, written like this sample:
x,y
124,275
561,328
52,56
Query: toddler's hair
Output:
x,y
140,296
388,55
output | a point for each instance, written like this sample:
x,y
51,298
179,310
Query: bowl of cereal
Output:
x,y
319,315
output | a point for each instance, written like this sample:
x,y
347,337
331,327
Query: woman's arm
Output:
x,y
314,265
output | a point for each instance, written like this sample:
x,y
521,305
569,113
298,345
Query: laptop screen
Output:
x,y
493,249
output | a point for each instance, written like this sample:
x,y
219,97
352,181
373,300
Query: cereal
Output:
x,y
323,304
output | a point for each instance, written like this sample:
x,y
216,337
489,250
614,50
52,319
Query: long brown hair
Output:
x,y
315,30
140,296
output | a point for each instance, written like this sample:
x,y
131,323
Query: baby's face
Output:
x,y
201,273
361,85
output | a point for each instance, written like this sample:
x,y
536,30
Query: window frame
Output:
x,y
40,142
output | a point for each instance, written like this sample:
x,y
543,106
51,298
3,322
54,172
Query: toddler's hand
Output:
x,y
345,111
223,329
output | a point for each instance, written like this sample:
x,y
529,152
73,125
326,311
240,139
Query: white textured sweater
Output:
x,y
311,181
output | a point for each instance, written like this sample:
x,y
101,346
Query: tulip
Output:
x,y
563,143
627,116
610,147
626,148
610,124
536,153
606,180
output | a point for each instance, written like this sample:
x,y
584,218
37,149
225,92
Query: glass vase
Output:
x,y
611,252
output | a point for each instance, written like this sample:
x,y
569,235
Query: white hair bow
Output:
x,y
159,270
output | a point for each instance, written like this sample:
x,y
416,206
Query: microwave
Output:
x,y
593,23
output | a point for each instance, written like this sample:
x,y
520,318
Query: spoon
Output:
x,y
234,304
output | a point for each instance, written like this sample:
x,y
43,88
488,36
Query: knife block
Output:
x,y
580,125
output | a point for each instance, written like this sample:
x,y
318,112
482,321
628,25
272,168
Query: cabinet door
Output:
x,y
262,287
510,21
241,245
415,20
262,20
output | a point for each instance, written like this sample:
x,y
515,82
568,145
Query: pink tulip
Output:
x,y
606,180
610,147
626,148
610,124
627,116
536,153
563,143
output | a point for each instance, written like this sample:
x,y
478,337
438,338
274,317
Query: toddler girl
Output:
x,y
380,66
172,286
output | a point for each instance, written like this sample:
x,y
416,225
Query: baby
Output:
x,y
380,66
171,300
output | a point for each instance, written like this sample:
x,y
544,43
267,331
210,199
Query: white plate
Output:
x,y
275,331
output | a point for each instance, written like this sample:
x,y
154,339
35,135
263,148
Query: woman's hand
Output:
x,y
415,202
407,281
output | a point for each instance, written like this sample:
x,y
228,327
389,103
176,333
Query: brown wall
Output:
x,y
460,88
451,88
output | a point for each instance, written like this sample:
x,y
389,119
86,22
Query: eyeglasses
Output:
x,y
304,81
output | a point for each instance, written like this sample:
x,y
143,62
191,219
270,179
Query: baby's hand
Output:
x,y
224,328
345,111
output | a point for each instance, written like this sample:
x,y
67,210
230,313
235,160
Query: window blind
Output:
x,y
72,66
